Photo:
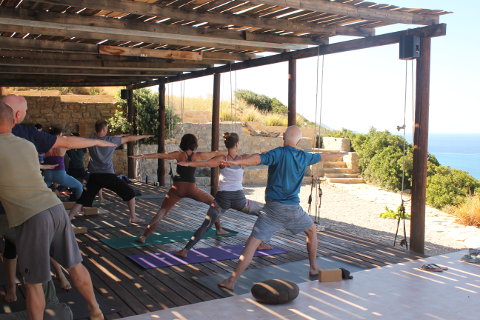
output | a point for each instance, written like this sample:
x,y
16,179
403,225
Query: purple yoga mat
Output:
x,y
168,259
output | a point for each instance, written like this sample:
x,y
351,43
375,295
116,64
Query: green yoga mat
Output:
x,y
161,238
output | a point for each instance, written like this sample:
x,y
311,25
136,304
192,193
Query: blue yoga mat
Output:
x,y
168,259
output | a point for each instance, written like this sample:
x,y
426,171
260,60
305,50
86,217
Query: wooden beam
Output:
x,y
150,9
47,45
73,47
79,72
292,92
215,130
150,53
82,57
371,42
134,30
104,65
364,13
161,133
420,148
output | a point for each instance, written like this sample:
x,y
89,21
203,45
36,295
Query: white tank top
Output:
x,y
230,179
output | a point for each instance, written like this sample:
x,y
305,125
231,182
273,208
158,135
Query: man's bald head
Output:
x,y
18,105
292,135
6,117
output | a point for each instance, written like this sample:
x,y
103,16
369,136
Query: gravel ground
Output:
x,y
355,208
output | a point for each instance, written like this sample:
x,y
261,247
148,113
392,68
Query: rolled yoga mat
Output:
x,y
168,259
161,238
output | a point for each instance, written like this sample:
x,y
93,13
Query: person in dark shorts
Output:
x,y
42,142
42,227
183,182
286,170
102,172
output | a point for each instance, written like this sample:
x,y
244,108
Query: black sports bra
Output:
x,y
185,174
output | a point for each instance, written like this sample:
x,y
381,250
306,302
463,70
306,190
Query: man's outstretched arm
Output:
x,y
73,142
252,160
134,138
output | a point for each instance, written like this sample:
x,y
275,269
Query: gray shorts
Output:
x,y
48,233
277,216
236,200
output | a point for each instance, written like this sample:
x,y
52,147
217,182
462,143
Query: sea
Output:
x,y
458,151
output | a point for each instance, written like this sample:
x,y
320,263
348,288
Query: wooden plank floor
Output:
x,y
135,290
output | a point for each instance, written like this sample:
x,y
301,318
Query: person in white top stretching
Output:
x,y
230,193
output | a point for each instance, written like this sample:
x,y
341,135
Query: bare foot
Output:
x,y
182,253
97,315
136,220
141,239
64,283
264,246
11,295
228,284
221,232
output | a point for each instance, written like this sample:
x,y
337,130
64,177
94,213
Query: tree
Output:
x,y
146,102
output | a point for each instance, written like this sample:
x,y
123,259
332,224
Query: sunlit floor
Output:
x,y
400,291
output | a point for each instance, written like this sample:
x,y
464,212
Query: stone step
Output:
x,y
337,170
345,180
342,175
334,164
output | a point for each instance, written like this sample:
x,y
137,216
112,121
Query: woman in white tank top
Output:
x,y
230,193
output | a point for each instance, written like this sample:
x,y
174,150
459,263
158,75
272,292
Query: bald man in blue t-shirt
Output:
x,y
286,169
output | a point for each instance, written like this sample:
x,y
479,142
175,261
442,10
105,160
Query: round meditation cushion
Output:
x,y
275,291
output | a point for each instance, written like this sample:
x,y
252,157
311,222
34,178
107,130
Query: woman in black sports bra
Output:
x,y
183,182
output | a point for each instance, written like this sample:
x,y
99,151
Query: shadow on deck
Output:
x,y
133,290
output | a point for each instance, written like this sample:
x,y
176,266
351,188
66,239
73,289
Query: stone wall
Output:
x,y
73,116
340,144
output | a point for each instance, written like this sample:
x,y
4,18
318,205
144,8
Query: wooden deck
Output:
x,y
134,290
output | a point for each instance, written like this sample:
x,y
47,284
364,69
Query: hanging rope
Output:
x,y
401,209
316,182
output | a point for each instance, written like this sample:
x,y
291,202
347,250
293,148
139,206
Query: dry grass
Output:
x,y
468,213
275,119
237,111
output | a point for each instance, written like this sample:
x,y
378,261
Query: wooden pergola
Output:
x,y
142,43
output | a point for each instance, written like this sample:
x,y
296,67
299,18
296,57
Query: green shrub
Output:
x,y
447,186
261,101
146,102
118,123
390,214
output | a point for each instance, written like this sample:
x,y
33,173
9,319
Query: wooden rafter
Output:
x,y
149,9
65,47
115,29
364,13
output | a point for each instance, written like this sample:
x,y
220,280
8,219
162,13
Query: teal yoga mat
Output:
x,y
161,238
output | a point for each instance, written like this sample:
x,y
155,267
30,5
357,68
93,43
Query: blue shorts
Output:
x,y
277,216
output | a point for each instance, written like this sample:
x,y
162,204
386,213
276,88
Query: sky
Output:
x,y
366,88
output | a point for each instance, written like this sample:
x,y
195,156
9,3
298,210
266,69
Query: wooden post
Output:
x,y
161,133
130,145
292,92
420,149
215,130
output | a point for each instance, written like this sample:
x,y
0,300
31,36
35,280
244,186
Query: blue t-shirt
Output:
x,y
41,140
286,169
101,158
